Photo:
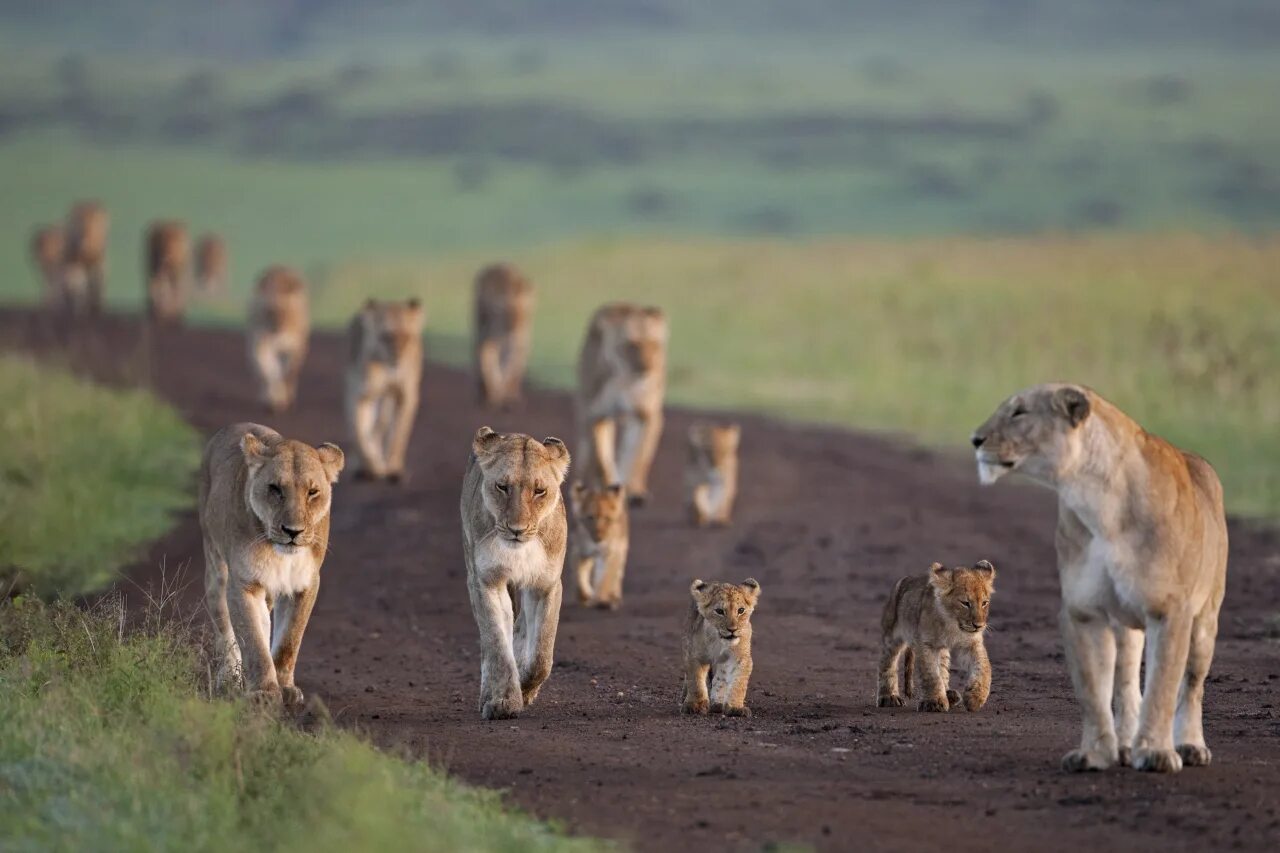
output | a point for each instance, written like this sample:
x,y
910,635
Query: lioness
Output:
x,y
48,244
211,265
712,472
168,260
1142,548
598,543
84,267
513,536
717,647
264,512
930,617
384,371
621,382
278,329
504,302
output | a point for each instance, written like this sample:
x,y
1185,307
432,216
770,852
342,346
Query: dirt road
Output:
x,y
827,521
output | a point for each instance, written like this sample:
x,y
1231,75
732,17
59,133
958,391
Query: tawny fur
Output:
x,y
48,245
717,647
514,535
1142,558
167,261
264,511
278,330
598,542
504,303
927,620
621,384
84,264
384,374
212,265
711,475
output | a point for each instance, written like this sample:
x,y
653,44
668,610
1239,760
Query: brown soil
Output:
x,y
827,521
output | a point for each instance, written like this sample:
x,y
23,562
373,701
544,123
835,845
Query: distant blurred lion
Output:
x,y
504,301
48,245
84,261
279,328
212,265
168,266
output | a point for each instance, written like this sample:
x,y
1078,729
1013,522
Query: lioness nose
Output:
x,y
517,531
291,532
977,440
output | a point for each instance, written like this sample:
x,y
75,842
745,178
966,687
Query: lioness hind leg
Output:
x,y
291,615
1168,648
1188,727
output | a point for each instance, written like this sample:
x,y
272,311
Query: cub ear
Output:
x,y
940,577
484,440
698,589
1072,404
558,454
255,452
751,587
984,567
333,460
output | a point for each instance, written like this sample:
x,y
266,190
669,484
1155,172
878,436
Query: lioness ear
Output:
x,y
985,567
1072,404
558,454
333,460
484,440
751,587
255,452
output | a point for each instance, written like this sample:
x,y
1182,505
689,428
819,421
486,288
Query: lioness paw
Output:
x,y
698,707
739,711
1194,755
1156,760
269,697
894,701
953,697
293,698
1080,761
500,709
933,705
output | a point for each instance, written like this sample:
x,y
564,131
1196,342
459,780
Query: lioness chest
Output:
x,y
280,572
520,563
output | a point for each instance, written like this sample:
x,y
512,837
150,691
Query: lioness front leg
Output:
x,y
251,620
1168,642
696,700
226,649
400,429
1127,699
540,614
933,689
500,696
292,612
1091,656
585,569
1188,728
639,444
363,415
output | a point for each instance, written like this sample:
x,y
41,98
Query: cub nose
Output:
x,y
977,440
291,532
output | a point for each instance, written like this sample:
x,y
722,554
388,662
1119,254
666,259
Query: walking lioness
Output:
x,y
1142,555
514,536
211,265
384,372
621,383
278,330
504,301
84,268
167,256
264,513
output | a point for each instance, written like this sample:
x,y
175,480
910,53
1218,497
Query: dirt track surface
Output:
x,y
827,521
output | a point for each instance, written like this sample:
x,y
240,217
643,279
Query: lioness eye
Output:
x,y
539,492
313,492
1019,412
720,610
500,487
275,490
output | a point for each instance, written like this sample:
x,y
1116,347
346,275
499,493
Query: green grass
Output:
x,y
920,337
109,742
88,475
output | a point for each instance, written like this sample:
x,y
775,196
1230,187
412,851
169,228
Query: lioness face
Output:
x,y
1034,431
965,594
644,339
522,480
290,488
727,607
392,327
599,511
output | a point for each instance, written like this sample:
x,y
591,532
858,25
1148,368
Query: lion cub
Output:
x,y
929,617
598,543
278,329
717,647
383,376
712,473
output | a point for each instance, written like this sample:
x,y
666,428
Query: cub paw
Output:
x,y
974,702
1081,761
933,705
1156,760
1194,755
699,707
1126,756
739,711
953,697
893,701
293,698
501,709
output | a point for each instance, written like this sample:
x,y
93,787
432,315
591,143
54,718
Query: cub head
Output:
x,y
716,443
1036,431
601,510
643,338
289,488
964,594
390,328
727,607
521,480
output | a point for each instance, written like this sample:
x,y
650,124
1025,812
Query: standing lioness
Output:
x,y
514,536
1142,554
264,512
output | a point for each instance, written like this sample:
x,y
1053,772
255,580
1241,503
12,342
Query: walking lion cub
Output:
x,y
717,647
598,542
930,617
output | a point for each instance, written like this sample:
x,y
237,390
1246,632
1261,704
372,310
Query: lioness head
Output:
x,y
717,443
1036,431
522,477
642,338
964,594
727,607
599,510
289,488
390,327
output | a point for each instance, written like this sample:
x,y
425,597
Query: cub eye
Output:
x,y
275,491
537,493
720,610
741,610
985,603
967,604
502,487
